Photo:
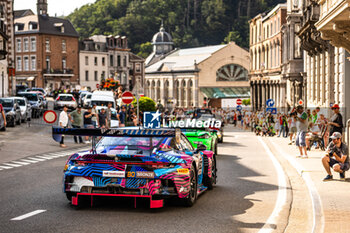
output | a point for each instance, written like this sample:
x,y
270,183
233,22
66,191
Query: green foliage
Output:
x,y
190,22
146,104
246,102
145,49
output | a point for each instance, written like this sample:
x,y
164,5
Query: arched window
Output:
x,y
232,72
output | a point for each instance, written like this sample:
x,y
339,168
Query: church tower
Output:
x,y
162,42
42,7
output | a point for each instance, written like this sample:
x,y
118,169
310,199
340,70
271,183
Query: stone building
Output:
x,y
118,59
292,55
266,79
7,82
47,53
325,66
137,74
195,76
93,59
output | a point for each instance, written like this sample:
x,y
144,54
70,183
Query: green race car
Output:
x,y
202,136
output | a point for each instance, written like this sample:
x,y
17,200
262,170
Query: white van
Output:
x,y
102,98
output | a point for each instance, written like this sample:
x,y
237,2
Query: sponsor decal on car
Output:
x,y
183,171
120,174
149,175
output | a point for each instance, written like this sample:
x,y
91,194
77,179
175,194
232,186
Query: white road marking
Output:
x,y
21,163
43,157
12,165
29,161
5,167
28,215
318,217
282,191
37,159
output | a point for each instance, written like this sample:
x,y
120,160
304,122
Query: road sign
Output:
x,y
238,101
127,97
300,102
239,108
270,103
50,116
272,110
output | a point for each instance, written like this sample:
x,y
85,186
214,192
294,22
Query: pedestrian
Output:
x,y
293,128
2,112
336,122
122,117
63,121
88,122
109,114
95,115
302,125
76,118
336,157
102,119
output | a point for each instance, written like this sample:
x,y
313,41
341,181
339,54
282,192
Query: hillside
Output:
x,y
190,22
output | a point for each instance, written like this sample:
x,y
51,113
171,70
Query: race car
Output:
x,y
198,136
138,163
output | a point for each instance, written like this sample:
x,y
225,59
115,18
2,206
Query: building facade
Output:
x,y
7,82
47,53
292,55
266,79
325,66
93,59
201,76
118,59
137,74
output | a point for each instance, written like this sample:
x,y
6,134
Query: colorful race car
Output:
x,y
138,163
202,137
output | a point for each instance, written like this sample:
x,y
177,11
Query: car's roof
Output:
x,y
65,94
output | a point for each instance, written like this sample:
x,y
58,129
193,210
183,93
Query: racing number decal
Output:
x,y
131,174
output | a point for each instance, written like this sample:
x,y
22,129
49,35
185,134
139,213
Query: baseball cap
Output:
x,y
336,135
335,106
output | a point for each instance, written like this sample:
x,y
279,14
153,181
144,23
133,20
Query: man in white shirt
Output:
x,y
63,121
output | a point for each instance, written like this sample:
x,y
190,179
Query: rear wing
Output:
x,y
57,132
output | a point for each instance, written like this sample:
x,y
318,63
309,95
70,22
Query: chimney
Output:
x,y
42,7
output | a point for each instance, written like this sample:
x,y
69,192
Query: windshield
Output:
x,y
88,96
101,103
29,96
38,89
6,103
129,145
21,102
65,98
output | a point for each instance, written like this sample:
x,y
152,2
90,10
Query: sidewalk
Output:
x,y
334,195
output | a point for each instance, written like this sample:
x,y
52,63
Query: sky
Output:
x,y
59,7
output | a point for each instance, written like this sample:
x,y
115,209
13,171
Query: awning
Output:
x,y
31,78
226,92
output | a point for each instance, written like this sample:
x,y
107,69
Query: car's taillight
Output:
x,y
73,98
58,98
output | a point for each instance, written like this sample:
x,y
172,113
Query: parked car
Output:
x,y
12,110
26,108
102,98
21,88
2,123
87,100
37,89
81,96
35,102
65,99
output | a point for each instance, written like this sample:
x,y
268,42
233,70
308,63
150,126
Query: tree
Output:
x,y
145,49
246,102
146,104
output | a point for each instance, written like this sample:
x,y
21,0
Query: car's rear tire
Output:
x,y
210,181
69,195
192,196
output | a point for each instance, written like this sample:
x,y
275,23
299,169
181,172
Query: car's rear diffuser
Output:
x,y
153,203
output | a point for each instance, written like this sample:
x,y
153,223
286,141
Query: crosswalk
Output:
x,y
39,158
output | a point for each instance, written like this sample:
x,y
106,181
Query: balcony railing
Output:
x,y
58,71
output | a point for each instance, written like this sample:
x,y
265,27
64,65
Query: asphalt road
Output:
x,y
242,201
